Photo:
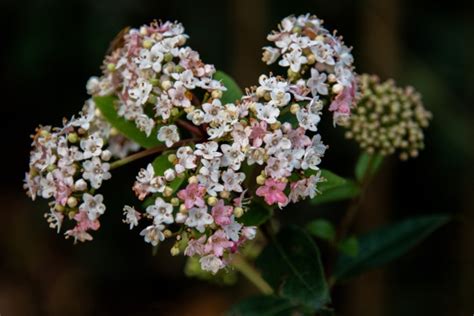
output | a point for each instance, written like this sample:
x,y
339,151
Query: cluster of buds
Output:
x,y
200,192
388,118
317,60
68,164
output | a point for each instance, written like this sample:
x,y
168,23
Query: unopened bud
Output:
x,y
72,138
168,191
147,44
337,88
212,200
261,180
238,212
216,94
224,194
106,155
111,67
72,202
174,201
193,179
174,250
80,185
294,108
167,233
166,84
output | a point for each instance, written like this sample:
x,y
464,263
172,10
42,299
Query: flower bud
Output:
x,y
111,67
80,185
72,138
216,94
294,108
212,200
183,209
168,191
193,179
224,194
147,44
238,212
174,250
167,233
106,155
170,175
337,88
174,201
72,202
166,84
261,180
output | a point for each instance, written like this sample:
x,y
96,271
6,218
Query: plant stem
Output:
x,y
251,274
196,131
351,213
148,152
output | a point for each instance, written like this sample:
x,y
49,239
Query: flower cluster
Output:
x,y
316,60
263,146
67,165
155,78
388,118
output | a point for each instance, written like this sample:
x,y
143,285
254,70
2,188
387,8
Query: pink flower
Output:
x,y
272,192
341,106
79,232
195,247
259,130
217,243
193,195
222,213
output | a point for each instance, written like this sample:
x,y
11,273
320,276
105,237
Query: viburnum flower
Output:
x,y
272,192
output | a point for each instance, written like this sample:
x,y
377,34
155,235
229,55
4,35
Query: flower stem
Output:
x,y
150,151
251,274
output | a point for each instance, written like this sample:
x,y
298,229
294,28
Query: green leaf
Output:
x,y
335,188
349,246
367,164
266,306
161,164
322,228
106,105
385,244
291,264
256,215
233,91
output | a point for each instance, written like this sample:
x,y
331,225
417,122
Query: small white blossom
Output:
x,y
161,211
92,205
153,234
208,150
95,171
199,218
131,216
232,180
267,112
168,134
211,263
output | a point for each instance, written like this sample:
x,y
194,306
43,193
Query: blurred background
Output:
x,y
48,50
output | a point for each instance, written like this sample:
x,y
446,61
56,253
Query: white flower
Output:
x,y
153,234
323,53
311,159
47,186
240,134
256,155
131,216
317,83
161,211
211,263
208,150
267,112
249,232
186,158
308,120
213,112
157,184
276,141
92,146
232,180
146,175
141,92
168,134
232,230
145,123
277,168
280,97
178,95
187,78
199,218
294,60
270,55
210,169
92,205
95,171
318,145
233,156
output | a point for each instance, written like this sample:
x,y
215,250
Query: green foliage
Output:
x,y
322,228
106,105
335,188
387,243
367,164
349,246
233,91
292,266
266,306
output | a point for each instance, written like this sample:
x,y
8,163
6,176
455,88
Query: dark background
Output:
x,y
49,48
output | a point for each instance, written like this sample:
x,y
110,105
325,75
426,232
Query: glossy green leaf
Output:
x,y
349,246
291,264
106,105
385,244
161,164
266,306
367,164
335,188
233,91
256,215
322,228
